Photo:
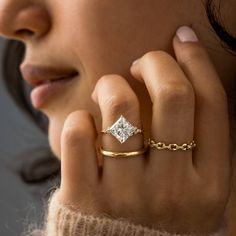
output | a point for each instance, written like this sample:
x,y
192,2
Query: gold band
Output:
x,y
171,146
123,154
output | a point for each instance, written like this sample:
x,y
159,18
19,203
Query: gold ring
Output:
x,y
171,146
123,154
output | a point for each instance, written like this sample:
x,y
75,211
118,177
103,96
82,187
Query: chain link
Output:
x,y
171,146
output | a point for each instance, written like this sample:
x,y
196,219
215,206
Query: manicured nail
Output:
x,y
186,34
135,62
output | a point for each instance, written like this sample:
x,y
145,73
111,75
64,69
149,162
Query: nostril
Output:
x,y
23,22
24,32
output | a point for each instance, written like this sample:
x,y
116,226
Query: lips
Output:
x,y
46,81
35,75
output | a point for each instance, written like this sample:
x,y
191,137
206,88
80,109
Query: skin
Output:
x,y
174,92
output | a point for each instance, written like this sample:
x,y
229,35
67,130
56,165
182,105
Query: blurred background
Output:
x,y
20,203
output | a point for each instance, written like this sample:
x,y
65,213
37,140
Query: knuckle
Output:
x,y
72,135
159,56
171,95
120,104
109,77
122,200
165,205
212,202
123,205
216,196
77,127
216,101
192,54
212,198
221,96
118,101
155,54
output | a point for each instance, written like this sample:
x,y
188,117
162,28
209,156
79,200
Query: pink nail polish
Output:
x,y
186,34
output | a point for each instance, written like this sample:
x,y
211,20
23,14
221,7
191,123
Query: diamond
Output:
x,y
122,129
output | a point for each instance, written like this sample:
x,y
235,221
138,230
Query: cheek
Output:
x,y
102,40
105,43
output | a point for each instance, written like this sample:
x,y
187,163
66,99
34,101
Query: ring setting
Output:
x,y
122,130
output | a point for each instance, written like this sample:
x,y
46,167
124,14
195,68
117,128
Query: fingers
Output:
x,y
211,121
173,106
79,167
115,98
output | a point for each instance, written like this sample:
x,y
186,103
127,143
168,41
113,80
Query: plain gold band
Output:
x,y
123,154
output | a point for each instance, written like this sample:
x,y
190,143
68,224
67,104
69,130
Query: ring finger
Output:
x,y
115,98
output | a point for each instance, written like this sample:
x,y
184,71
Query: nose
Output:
x,y
23,21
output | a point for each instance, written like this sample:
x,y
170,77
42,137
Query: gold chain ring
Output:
x,y
171,146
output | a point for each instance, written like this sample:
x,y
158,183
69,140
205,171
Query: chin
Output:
x,y
55,148
54,136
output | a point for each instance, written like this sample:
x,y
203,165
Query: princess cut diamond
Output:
x,y
122,129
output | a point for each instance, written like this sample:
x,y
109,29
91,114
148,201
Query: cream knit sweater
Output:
x,y
62,221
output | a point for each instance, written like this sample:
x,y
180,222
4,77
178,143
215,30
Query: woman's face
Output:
x,y
95,37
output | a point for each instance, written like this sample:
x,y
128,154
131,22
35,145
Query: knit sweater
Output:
x,y
63,221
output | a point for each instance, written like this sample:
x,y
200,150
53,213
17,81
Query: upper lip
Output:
x,y
38,74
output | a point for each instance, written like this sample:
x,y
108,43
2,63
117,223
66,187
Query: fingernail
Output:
x,y
186,34
135,62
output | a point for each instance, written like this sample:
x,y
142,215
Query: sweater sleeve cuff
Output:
x,y
62,221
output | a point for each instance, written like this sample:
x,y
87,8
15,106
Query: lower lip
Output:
x,y
42,93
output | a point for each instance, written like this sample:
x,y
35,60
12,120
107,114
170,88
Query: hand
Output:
x,y
181,191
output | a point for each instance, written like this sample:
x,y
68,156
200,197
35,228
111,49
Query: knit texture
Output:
x,y
62,221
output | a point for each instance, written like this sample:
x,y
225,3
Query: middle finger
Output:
x,y
173,107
